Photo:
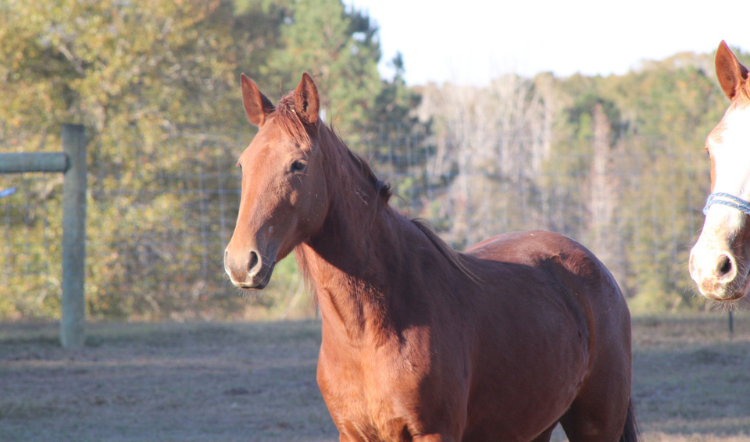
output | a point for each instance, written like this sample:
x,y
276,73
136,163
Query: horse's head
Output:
x,y
284,194
720,260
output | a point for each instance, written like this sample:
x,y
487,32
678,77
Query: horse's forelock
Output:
x,y
290,123
286,118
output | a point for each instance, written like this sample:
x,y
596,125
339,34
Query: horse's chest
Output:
x,y
369,398
368,421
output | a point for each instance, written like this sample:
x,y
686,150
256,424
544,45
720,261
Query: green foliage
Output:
x,y
396,101
113,63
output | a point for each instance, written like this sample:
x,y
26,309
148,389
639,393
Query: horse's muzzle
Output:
x,y
250,272
259,281
716,274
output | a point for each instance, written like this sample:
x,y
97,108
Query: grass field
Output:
x,y
256,382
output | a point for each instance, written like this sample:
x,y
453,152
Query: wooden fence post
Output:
x,y
731,324
72,324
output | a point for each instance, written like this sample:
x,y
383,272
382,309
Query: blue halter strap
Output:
x,y
726,199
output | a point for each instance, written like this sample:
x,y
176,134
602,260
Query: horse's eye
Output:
x,y
298,166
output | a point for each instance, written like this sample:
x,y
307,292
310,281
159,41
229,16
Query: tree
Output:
x,y
491,144
340,49
396,102
148,81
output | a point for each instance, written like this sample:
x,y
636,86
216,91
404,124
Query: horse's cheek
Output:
x,y
295,200
300,201
311,210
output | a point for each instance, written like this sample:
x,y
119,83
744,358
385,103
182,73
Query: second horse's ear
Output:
x,y
257,105
732,75
306,100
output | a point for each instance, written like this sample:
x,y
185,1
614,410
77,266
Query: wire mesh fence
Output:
x,y
162,207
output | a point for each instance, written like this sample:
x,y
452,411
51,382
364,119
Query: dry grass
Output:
x,y
256,382
163,382
691,378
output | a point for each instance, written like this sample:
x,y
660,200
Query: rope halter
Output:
x,y
726,199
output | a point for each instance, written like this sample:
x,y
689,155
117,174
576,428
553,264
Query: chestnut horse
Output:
x,y
420,342
719,260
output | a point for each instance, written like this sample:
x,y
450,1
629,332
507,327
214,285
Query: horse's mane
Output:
x,y
743,96
290,122
454,257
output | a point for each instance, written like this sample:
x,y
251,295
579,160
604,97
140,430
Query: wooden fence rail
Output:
x,y
33,162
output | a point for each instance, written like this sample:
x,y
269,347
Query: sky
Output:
x,y
473,41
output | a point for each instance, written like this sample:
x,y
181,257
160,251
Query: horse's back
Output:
x,y
564,268
562,258
534,247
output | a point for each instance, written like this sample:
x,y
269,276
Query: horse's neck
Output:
x,y
365,260
357,268
351,278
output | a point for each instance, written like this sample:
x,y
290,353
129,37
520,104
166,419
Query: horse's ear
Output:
x,y
732,75
306,100
257,105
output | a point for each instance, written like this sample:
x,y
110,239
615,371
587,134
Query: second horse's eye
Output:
x,y
298,166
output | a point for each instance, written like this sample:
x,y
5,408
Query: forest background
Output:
x,y
615,162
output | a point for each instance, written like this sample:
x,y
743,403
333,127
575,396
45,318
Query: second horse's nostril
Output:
x,y
725,265
253,262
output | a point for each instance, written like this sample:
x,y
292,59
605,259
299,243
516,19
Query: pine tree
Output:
x,y
340,49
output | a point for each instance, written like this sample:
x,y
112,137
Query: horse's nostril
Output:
x,y
725,265
253,262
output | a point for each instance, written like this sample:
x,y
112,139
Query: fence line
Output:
x,y
72,162
162,208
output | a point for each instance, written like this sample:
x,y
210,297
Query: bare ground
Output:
x,y
256,382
